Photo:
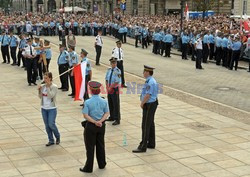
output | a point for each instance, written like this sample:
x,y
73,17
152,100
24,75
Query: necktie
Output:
x,y
31,51
111,76
59,57
3,39
119,53
101,40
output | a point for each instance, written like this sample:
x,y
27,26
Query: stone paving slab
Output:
x,y
182,150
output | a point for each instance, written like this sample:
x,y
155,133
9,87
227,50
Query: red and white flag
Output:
x,y
187,12
79,74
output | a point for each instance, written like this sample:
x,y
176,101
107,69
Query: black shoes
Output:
x,y
109,119
13,64
60,88
116,123
150,147
64,90
85,170
139,150
29,84
49,144
34,83
71,94
58,141
124,85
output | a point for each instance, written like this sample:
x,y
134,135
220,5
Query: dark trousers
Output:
x,y
120,37
13,54
94,138
72,82
83,31
205,53
125,37
211,52
75,31
184,51
39,67
167,49
19,58
64,78
144,42
198,59
98,50
224,56
137,38
229,57
120,66
86,94
162,46
114,104
95,31
218,55
193,52
5,53
235,59
46,68
156,47
148,125
31,65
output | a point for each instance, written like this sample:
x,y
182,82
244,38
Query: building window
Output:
x,y
244,7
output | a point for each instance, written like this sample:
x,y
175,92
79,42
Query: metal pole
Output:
x,y
182,7
241,9
63,27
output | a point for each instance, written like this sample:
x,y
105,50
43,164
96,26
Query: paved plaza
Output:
x,y
192,141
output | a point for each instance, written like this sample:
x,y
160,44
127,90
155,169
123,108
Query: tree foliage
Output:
x,y
205,5
5,3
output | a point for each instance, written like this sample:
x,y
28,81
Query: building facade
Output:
x,y
241,7
134,7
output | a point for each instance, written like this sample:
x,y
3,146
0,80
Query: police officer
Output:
x,y
88,73
37,46
5,47
63,66
13,47
224,45
30,53
185,41
156,42
98,46
95,111
137,34
149,103
113,79
236,53
144,37
199,51
205,47
218,52
211,45
73,61
118,53
168,40
21,47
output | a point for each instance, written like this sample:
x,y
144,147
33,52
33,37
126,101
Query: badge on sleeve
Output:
x,y
88,65
73,58
148,87
67,57
119,75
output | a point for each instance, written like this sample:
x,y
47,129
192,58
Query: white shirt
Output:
x,y
28,27
199,44
28,51
98,40
46,101
117,53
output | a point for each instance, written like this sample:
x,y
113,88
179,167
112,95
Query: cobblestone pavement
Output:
x,y
214,82
191,141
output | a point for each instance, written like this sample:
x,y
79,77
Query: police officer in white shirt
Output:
x,y
118,53
198,47
98,46
30,53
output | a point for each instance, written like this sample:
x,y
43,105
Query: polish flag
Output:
x,y
79,74
246,25
187,12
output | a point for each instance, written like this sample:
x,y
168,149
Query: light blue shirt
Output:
x,y
48,53
121,30
63,58
185,39
224,42
13,41
205,39
88,67
75,24
22,44
95,107
150,87
37,45
236,46
157,36
218,42
211,39
52,24
4,39
168,38
116,76
73,58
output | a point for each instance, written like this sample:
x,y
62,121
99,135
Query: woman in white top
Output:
x,y
47,93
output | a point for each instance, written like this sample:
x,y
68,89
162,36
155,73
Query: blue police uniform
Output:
x,y
95,107
113,76
5,40
88,67
236,46
13,46
185,40
168,39
48,53
205,48
21,47
218,44
211,44
149,108
62,62
73,59
87,76
156,42
150,87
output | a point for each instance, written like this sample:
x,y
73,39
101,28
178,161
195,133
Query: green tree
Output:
x,y
206,5
5,3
